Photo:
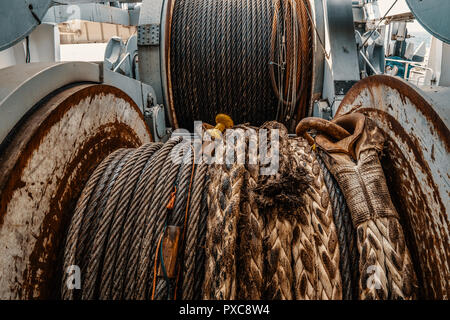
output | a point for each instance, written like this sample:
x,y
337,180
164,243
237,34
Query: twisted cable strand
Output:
x,y
76,222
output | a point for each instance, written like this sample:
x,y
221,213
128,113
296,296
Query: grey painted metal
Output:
x,y
155,118
149,69
342,69
135,89
23,86
91,12
131,47
151,12
150,55
19,18
148,35
318,51
113,52
321,109
433,16
342,40
121,57
374,51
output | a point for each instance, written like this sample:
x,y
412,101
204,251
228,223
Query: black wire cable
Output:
x,y
27,45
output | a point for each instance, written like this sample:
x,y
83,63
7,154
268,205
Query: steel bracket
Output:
x,y
148,35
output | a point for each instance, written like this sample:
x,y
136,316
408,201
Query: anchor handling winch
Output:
x,y
88,184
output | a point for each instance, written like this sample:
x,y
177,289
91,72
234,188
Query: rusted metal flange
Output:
x,y
416,164
43,171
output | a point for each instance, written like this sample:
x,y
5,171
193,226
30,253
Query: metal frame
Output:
x,y
23,86
94,12
341,71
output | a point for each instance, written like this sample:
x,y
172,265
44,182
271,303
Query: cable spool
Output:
x,y
249,59
229,217
121,216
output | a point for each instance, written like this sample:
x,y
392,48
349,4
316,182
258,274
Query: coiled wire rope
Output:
x,y
117,228
122,214
249,59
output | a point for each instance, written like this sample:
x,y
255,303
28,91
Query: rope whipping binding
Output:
x,y
249,59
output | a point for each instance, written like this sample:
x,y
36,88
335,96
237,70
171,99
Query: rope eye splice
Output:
x,y
349,147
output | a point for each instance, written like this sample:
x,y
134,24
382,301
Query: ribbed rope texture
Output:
x,y
225,57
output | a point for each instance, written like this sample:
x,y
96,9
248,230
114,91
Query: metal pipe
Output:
x,y
368,62
121,61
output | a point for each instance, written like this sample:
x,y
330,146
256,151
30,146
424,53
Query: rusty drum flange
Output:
x,y
416,164
43,170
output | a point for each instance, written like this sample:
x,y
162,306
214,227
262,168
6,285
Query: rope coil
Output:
x,y
245,235
223,57
108,237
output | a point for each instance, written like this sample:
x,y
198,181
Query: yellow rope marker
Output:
x,y
223,121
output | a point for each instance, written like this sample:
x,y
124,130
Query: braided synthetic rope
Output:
x,y
385,264
225,60
250,251
246,235
382,248
224,197
274,261
346,234
316,256
278,232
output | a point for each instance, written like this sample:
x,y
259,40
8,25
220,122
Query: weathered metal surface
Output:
x,y
416,164
19,18
136,90
149,54
44,169
23,86
166,26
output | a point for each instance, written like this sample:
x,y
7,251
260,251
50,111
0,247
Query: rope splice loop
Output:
x,y
385,265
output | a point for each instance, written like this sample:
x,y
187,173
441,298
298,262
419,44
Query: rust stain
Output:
x,y
167,42
421,233
15,159
405,91
42,276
